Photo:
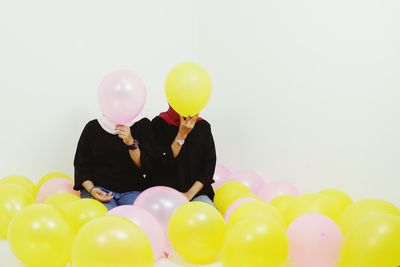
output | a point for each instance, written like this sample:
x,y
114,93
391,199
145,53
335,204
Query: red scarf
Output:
x,y
171,117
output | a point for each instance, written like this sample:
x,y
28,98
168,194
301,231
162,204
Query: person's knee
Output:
x,y
128,198
85,194
110,205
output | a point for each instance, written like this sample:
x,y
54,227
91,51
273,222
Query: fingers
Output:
x,y
123,132
102,196
192,121
122,136
122,128
105,198
194,118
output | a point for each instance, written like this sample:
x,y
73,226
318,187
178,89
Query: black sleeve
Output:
x,y
83,158
143,132
163,141
209,161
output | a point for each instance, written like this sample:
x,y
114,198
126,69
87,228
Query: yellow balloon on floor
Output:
x,y
281,202
61,200
311,203
82,211
339,198
39,235
227,193
22,181
255,242
13,199
52,175
196,231
259,208
372,243
188,88
111,241
361,209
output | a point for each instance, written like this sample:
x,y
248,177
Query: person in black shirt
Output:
x,y
187,154
113,168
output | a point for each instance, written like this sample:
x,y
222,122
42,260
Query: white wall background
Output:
x,y
304,90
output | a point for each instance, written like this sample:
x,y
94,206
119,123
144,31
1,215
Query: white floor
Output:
x,y
7,259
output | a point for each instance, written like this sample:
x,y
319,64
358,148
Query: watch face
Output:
x,y
180,142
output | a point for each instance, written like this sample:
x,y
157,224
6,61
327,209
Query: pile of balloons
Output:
x,y
270,224
49,225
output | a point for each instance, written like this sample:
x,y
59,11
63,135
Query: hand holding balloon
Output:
x,y
186,126
124,133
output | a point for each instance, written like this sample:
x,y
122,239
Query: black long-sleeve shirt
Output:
x,y
104,159
195,161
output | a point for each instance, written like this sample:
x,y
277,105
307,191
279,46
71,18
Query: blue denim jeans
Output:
x,y
205,199
118,199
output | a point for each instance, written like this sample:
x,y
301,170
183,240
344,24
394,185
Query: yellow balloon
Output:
x,y
188,88
40,236
52,175
253,208
311,203
61,200
372,243
255,242
22,181
339,198
281,202
227,193
13,199
82,211
361,209
111,241
196,231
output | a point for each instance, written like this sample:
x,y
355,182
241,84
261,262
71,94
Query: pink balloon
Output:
x,y
150,226
314,240
236,204
251,179
221,175
161,202
121,96
274,189
54,186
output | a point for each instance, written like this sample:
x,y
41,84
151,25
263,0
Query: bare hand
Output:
x,y
100,195
124,132
186,126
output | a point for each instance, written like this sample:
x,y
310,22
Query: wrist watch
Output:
x,y
134,145
180,141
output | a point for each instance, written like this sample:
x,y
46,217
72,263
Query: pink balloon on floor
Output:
x,y
314,240
274,189
221,175
54,186
161,202
148,223
251,179
236,204
121,96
